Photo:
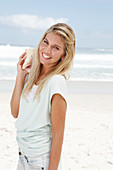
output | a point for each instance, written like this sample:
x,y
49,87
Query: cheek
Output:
x,y
42,46
59,53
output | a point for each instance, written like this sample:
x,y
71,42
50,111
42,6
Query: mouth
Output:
x,y
45,56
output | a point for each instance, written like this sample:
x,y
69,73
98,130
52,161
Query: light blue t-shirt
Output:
x,y
34,133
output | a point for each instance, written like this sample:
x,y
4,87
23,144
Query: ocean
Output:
x,y
89,64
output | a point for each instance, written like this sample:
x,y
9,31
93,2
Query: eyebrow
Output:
x,y
53,44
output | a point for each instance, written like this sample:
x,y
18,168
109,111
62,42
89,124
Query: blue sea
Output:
x,y
89,64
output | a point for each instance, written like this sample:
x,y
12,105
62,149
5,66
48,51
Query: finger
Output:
x,y
22,56
22,59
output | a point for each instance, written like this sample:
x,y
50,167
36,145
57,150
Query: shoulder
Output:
x,y
57,79
57,85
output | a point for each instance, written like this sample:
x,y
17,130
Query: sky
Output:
x,y
23,22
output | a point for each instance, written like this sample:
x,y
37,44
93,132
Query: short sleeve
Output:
x,y
58,86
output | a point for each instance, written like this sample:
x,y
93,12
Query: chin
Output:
x,y
43,63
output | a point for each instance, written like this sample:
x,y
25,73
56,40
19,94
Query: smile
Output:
x,y
45,56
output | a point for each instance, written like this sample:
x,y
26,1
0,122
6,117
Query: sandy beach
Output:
x,y
88,138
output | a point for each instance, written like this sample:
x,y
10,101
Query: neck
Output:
x,y
45,69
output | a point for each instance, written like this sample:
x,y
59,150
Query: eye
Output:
x,y
45,41
56,47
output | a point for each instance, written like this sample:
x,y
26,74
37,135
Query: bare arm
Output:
x,y
20,78
58,111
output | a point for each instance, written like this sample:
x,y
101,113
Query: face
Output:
x,y
51,49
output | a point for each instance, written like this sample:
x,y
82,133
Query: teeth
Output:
x,y
45,56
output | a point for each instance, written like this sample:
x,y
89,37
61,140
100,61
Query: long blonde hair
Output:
x,y
63,67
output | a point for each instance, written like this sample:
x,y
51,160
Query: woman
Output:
x,y
39,100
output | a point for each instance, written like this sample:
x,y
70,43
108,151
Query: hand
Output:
x,y
20,64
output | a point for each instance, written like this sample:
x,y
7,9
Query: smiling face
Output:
x,y
51,50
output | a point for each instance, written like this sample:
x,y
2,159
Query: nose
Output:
x,y
48,49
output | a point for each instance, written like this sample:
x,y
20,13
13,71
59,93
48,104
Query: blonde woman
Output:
x,y
39,100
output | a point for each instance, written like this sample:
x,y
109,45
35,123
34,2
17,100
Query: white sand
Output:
x,y
88,140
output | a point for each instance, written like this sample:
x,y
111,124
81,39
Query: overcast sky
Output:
x,y
23,22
